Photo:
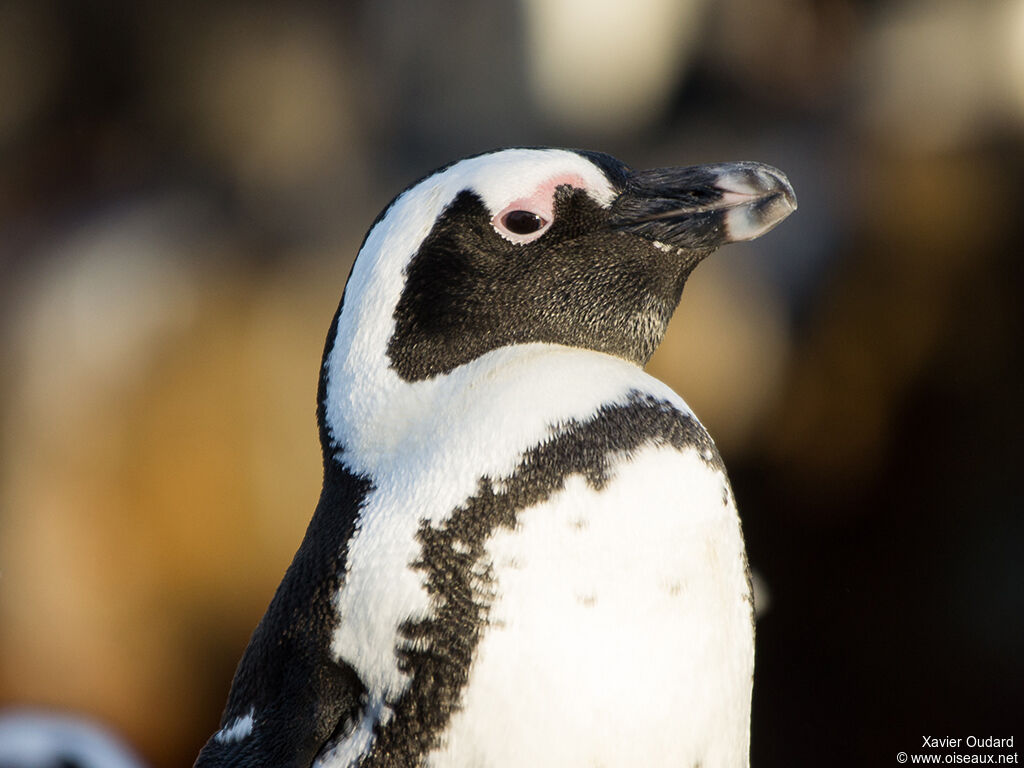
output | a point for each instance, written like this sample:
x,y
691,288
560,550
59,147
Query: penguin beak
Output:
x,y
703,206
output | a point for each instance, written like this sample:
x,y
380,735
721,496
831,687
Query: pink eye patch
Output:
x,y
527,218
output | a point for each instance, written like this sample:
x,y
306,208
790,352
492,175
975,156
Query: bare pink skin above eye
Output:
x,y
540,202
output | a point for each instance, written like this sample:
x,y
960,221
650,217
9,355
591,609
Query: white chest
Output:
x,y
620,633
612,624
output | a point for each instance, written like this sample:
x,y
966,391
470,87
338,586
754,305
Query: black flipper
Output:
x,y
297,695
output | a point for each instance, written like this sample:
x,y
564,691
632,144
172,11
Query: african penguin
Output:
x,y
526,551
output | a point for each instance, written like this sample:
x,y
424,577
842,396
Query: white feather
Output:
x,y
238,729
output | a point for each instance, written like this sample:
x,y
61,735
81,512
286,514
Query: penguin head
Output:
x,y
527,246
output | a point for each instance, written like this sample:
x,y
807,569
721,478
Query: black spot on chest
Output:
x,y
437,651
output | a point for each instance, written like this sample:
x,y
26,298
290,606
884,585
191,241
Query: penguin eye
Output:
x,y
526,219
522,222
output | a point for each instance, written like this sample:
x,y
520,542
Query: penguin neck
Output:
x,y
504,402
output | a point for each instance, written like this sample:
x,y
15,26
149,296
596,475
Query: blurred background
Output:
x,y
183,188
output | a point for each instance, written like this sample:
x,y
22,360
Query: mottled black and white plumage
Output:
x,y
526,551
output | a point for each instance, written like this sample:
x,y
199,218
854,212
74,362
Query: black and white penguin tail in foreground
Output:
x,y
526,551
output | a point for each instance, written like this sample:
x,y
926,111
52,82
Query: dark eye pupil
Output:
x,y
523,222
